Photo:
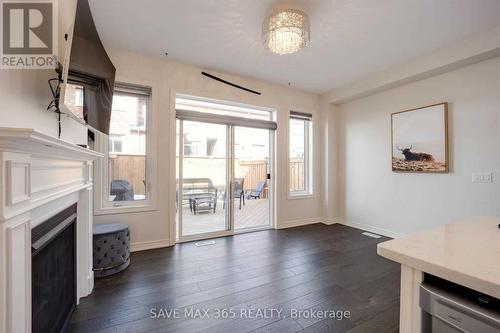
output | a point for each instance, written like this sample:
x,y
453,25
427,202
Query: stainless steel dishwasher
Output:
x,y
450,308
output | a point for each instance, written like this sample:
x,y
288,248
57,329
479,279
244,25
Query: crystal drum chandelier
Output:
x,y
286,31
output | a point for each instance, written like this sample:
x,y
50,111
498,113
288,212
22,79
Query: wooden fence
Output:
x,y
296,175
133,169
253,172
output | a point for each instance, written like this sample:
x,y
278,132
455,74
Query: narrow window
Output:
x,y
300,154
128,145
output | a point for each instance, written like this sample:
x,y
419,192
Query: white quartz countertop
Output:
x,y
466,252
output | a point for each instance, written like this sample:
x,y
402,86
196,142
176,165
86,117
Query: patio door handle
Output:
x,y
268,176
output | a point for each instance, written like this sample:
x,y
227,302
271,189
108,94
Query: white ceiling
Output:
x,y
349,38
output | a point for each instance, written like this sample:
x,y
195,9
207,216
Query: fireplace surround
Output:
x,y
41,176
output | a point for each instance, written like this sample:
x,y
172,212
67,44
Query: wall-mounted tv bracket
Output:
x,y
55,88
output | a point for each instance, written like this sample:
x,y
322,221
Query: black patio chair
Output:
x,y
238,191
122,190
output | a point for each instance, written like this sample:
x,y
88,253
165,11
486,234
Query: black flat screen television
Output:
x,y
88,75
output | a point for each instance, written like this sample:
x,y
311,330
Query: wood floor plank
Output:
x,y
285,325
315,267
385,321
98,306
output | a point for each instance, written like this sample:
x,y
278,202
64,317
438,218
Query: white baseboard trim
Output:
x,y
149,245
334,220
88,288
299,222
365,227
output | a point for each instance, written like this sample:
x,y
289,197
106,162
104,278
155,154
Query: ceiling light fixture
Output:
x,y
286,31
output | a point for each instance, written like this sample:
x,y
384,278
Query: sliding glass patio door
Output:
x,y
251,183
223,183
203,171
224,167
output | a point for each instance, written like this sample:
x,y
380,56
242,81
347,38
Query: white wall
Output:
x,y
167,78
25,94
372,196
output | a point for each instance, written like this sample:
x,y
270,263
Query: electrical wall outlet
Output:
x,y
482,177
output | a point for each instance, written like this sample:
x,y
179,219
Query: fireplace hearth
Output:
x,y
54,272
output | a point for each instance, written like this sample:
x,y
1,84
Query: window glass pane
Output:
x,y
251,188
204,178
73,99
177,143
118,146
127,148
297,155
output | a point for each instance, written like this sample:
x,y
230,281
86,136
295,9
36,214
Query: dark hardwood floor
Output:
x,y
317,268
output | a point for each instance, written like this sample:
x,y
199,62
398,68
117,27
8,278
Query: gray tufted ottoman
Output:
x,y
111,249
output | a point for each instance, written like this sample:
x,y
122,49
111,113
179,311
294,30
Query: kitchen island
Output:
x,y
466,253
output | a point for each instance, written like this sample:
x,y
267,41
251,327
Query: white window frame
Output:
x,y
308,191
102,205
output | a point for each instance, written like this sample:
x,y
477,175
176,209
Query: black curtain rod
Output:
x,y
229,83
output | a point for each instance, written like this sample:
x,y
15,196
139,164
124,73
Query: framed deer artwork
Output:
x,y
420,139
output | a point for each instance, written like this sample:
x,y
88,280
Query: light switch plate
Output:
x,y
482,177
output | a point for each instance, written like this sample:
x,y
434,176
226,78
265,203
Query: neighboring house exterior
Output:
x,y
127,133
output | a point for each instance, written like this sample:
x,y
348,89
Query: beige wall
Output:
x,y
352,181
25,94
167,78
372,196
331,192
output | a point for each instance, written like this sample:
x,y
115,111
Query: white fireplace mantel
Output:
x,y
39,176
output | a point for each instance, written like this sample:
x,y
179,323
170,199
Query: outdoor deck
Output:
x,y
255,213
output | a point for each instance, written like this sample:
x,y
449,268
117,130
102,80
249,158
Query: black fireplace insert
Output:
x,y
53,270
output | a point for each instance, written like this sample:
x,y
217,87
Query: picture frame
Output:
x,y
419,140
